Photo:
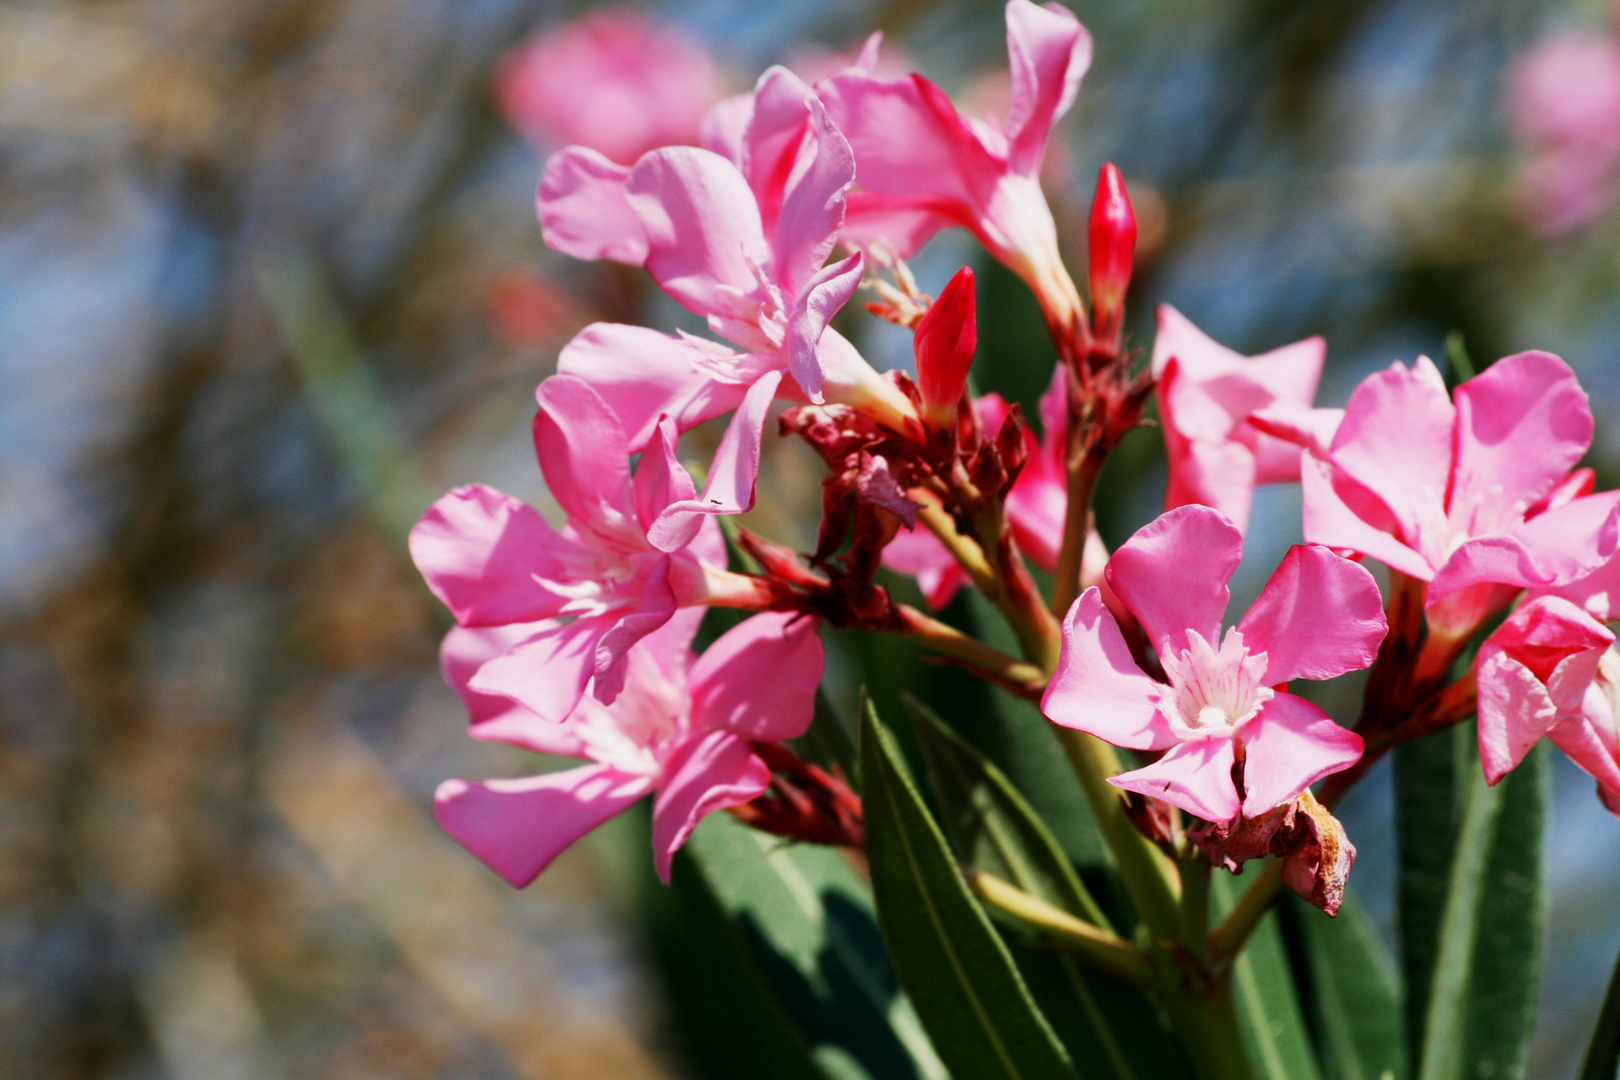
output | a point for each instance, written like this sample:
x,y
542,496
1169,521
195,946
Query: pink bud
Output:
x,y
946,338
1112,233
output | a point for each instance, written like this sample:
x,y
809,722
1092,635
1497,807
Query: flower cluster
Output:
x,y
577,641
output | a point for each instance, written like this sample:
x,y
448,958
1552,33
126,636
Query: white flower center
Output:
x,y
1213,693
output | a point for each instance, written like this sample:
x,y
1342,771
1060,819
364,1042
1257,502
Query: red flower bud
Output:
x,y
1112,234
946,339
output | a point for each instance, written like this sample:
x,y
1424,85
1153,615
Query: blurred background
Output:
x,y
270,280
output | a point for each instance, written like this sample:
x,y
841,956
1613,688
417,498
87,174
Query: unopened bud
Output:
x,y
946,339
1112,236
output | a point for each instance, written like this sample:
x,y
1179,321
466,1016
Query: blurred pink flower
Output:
x,y
582,596
922,166
528,308
1207,396
613,80
1564,102
1550,670
680,729
1319,616
1472,498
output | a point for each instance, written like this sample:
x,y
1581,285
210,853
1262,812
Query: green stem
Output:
x,y
1103,948
1195,907
1149,875
1206,1019
1085,466
1228,939
1017,676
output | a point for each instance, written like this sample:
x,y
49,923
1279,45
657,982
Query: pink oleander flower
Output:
x,y
1035,504
1476,499
614,81
1226,701
1564,102
1209,394
680,729
921,166
751,265
584,595
1550,670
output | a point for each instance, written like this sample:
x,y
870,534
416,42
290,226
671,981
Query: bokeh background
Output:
x,y
270,280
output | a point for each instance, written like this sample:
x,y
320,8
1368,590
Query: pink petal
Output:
x,y
643,374
723,127
910,144
813,204
759,679
1206,467
730,486
706,774
1580,739
494,717
1285,423
1172,574
548,672
824,295
918,553
1555,548
1098,688
776,132
480,550
1049,52
584,211
656,606
516,827
1195,776
1515,711
659,478
1521,426
1318,616
582,452
703,230
1396,441
1288,746
907,223
1330,521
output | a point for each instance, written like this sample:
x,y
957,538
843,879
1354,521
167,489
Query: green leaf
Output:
x,y
1110,1027
805,917
1352,993
1602,1059
951,961
1267,1004
1472,907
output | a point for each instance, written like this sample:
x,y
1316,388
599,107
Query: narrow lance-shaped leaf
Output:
x,y
951,961
1112,1030
1352,993
1264,995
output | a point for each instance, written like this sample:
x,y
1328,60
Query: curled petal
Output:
x,y
659,478
480,552
824,294
1049,53
1341,514
1290,745
1097,686
494,716
1318,616
1586,746
584,211
1195,776
1172,574
654,610
813,205
548,672
516,827
705,774
1521,426
732,475
643,374
583,453
759,679
1554,548
1396,441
